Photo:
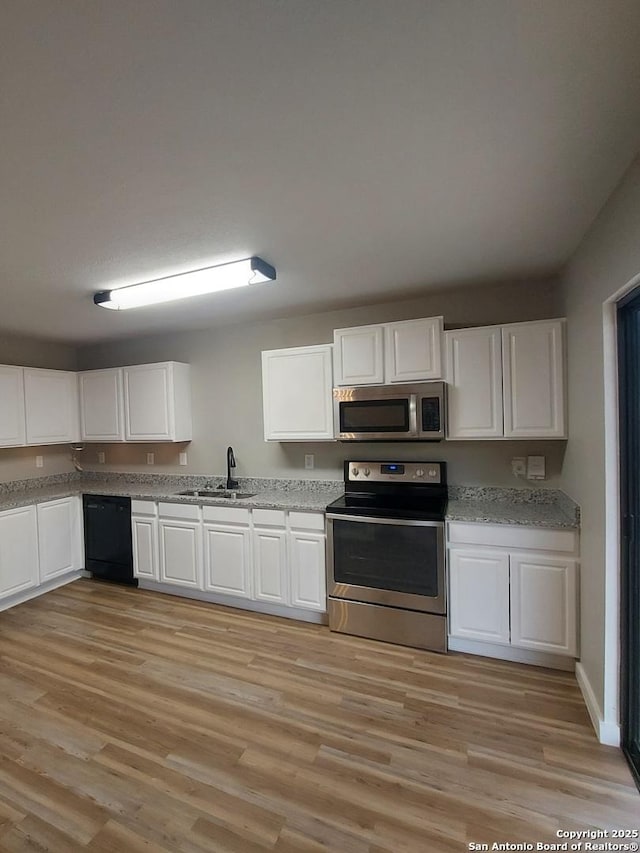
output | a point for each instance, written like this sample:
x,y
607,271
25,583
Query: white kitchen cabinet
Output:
x,y
474,383
413,350
51,406
270,565
479,595
101,405
12,416
543,603
358,355
157,402
144,535
308,572
297,397
59,537
514,587
180,545
18,550
534,372
227,559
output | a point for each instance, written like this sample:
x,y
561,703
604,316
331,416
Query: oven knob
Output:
x,y
419,473
433,472
355,472
366,472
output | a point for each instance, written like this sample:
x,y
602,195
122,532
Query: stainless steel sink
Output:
x,y
217,493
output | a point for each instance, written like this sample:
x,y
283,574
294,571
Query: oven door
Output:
x,y
395,562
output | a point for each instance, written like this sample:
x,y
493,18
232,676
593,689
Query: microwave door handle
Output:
x,y
413,414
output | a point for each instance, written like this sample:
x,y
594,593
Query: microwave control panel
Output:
x,y
395,472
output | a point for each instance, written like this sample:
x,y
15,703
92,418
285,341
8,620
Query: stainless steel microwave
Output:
x,y
390,412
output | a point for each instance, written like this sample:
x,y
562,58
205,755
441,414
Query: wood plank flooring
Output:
x,y
133,721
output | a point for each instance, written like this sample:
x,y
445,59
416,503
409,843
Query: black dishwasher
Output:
x,y
107,538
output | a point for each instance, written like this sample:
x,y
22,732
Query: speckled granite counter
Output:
x,y
528,507
304,495
550,508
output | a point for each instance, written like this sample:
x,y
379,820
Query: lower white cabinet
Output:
x,y
181,552
18,550
227,559
144,536
308,575
59,537
270,565
479,595
503,595
543,603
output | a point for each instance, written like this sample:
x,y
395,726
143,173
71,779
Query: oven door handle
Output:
x,y
403,522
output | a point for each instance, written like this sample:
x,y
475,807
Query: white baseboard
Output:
x,y
504,652
265,607
606,731
35,591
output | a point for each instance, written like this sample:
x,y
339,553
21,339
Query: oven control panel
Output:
x,y
395,472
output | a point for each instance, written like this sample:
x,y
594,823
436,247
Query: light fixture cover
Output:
x,y
242,273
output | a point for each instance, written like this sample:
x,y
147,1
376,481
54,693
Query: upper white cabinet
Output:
x,y
297,394
533,370
358,356
405,351
101,405
157,402
412,350
474,377
506,381
12,418
51,405
59,537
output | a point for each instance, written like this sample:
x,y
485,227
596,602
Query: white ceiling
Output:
x,y
366,148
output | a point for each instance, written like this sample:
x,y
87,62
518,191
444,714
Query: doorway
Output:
x,y
629,396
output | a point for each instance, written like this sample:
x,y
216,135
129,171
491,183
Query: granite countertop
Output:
x,y
530,507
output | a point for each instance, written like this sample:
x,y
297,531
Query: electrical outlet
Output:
x,y
39,461
183,458
519,466
309,460
151,458
101,457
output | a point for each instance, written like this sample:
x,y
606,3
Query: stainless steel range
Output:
x,y
385,553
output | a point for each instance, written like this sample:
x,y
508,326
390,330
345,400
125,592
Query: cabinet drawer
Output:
x,y
225,514
189,512
268,517
306,520
511,536
144,508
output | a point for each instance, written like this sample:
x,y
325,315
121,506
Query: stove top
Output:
x,y
402,490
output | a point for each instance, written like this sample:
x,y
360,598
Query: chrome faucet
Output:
x,y
231,463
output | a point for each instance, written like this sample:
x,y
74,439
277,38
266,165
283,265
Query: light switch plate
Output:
x,y
309,460
101,457
536,468
183,458
39,461
519,466
151,458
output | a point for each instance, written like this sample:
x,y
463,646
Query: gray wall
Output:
x,y
227,389
19,463
608,258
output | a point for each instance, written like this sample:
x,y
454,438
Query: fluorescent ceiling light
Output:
x,y
196,283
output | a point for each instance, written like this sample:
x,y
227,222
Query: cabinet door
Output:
x,y
543,603
227,559
144,533
181,553
479,595
297,395
12,420
270,565
534,389
148,395
59,537
474,376
412,350
51,405
101,405
308,573
18,550
358,356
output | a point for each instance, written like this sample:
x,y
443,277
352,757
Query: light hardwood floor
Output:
x,y
134,721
